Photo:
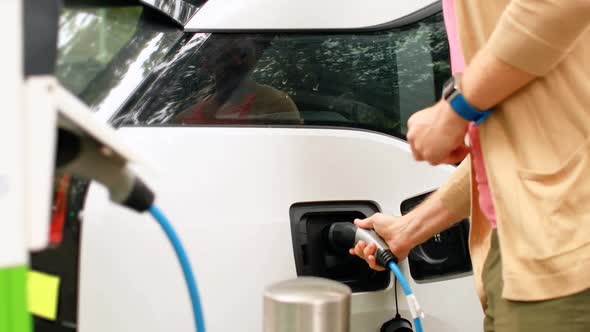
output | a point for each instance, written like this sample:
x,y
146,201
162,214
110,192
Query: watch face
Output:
x,y
448,88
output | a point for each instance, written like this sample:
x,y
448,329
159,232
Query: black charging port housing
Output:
x,y
315,257
444,256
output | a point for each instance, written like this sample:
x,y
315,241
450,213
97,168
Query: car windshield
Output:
x,y
368,80
105,52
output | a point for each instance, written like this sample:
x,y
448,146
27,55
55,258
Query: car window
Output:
x,y
88,40
105,52
369,80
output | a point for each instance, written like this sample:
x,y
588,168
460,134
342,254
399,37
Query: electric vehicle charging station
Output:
x,y
67,140
248,227
13,238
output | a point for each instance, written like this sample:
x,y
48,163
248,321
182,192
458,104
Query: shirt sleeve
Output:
x,y
535,35
455,194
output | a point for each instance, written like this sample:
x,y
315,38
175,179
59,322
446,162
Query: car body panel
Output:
x,y
272,15
228,192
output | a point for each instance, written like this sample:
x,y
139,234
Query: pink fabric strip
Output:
x,y
458,65
483,188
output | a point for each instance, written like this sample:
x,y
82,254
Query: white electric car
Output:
x,y
262,122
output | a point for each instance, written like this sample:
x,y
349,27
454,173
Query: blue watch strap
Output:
x,y
468,112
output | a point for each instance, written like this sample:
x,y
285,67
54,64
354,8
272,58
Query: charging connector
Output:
x,y
85,157
347,235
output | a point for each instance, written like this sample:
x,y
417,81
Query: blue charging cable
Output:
x,y
194,293
185,264
412,303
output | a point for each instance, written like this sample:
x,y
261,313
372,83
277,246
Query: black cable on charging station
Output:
x,y
396,304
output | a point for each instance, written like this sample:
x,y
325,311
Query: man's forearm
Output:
x,y
487,81
441,210
429,218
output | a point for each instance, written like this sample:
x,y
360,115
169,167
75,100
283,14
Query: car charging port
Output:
x,y
314,254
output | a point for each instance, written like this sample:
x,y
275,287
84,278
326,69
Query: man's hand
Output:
x,y
392,229
437,135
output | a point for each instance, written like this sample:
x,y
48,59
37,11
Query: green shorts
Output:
x,y
570,313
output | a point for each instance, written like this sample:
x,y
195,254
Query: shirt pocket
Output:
x,y
559,211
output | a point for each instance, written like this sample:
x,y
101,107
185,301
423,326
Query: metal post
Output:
x,y
307,304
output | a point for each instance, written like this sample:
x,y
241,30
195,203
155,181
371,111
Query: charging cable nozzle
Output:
x,y
346,235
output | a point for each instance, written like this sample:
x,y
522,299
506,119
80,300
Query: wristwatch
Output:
x,y
459,104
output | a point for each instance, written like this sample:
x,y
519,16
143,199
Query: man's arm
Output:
x,y
488,80
536,35
444,208
531,38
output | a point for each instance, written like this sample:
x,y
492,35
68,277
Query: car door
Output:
x,y
261,140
